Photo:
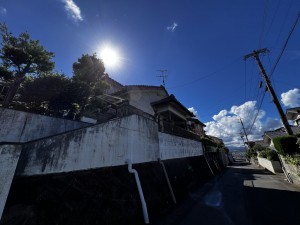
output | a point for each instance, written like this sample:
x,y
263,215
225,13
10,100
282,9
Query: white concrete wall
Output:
x,y
102,145
171,147
9,156
18,126
273,166
142,99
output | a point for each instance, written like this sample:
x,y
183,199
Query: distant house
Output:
x,y
294,114
258,142
270,135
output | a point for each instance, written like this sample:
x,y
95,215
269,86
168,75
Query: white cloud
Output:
x,y
291,98
226,124
172,27
3,11
73,10
193,110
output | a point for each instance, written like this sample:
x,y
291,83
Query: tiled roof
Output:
x,y
109,79
292,113
172,98
197,121
281,132
140,87
296,109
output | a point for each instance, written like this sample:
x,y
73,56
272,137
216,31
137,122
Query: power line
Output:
x,y
274,67
285,44
206,76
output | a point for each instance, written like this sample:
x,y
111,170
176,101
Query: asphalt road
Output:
x,y
243,195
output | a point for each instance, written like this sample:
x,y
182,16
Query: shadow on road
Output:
x,y
271,206
242,195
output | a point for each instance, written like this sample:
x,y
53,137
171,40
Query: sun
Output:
x,y
110,56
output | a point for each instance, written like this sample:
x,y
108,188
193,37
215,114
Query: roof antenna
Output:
x,y
163,75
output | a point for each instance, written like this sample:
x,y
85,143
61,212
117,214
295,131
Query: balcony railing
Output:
x,y
170,128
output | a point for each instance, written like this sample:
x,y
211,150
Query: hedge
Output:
x,y
286,145
269,154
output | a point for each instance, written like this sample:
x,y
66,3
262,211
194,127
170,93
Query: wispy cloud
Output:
x,y
291,98
172,27
73,10
3,11
226,124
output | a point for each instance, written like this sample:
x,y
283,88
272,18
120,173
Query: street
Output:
x,y
243,195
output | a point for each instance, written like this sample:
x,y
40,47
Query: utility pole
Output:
x,y
163,75
255,54
244,131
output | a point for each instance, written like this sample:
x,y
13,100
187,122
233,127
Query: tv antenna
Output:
x,y
163,75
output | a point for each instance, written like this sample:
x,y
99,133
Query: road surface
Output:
x,y
243,195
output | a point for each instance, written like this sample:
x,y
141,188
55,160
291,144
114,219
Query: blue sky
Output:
x,y
200,43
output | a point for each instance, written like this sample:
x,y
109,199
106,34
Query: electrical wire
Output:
x,y
274,67
284,46
206,76
283,23
264,22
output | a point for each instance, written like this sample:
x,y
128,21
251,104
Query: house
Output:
x,y
114,85
154,101
196,126
141,96
270,135
294,114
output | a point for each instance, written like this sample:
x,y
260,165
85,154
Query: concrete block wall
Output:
x,y
102,145
272,166
9,156
18,126
172,147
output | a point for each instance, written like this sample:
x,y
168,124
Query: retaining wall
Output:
x,y
273,166
18,126
9,156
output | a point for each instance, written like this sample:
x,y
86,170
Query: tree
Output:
x,y
88,69
56,94
21,56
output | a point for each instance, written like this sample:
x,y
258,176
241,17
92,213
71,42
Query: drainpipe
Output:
x,y
168,180
139,186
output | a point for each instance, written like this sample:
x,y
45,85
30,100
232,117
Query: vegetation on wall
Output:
x,y
210,145
269,154
293,159
250,153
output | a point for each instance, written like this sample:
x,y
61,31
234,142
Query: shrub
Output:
x,y
292,159
269,154
250,153
286,145
258,147
208,143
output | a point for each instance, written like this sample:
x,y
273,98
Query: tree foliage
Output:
x,y
88,69
21,56
286,145
54,94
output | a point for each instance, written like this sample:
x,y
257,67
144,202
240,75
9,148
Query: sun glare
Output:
x,y
110,57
